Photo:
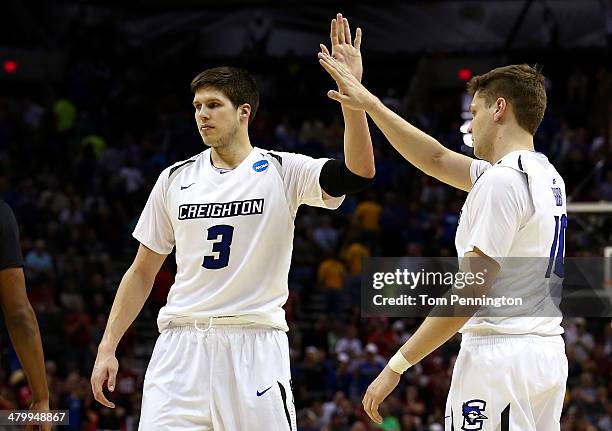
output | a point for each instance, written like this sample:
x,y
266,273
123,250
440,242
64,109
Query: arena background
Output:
x,y
95,102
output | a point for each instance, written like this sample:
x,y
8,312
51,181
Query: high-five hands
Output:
x,y
352,94
343,49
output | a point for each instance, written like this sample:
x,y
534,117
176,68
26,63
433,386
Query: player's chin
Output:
x,y
208,140
212,142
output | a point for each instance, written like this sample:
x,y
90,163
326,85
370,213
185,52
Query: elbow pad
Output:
x,y
337,180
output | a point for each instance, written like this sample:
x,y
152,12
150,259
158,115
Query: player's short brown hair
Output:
x,y
521,85
236,84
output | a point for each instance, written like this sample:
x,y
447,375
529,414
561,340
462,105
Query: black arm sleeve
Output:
x,y
10,249
337,180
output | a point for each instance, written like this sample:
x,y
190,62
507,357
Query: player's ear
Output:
x,y
500,109
244,111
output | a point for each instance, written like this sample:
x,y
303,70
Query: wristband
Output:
x,y
398,363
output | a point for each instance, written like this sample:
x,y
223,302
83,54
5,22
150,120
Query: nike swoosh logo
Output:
x,y
186,187
259,394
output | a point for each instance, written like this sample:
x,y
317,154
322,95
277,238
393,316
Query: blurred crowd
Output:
x,y
78,159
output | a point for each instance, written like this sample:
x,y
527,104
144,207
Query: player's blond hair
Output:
x,y
521,85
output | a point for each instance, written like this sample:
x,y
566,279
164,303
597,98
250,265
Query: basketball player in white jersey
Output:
x,y
511,371
222,359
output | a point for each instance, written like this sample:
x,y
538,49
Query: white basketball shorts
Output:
x,y
228,378
507,383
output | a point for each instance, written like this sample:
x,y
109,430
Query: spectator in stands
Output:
x,y
353,256
369,367
367,214
38,260
349,343
325,235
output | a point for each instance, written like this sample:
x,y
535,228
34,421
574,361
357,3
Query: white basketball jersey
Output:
x,y
233,233
516,214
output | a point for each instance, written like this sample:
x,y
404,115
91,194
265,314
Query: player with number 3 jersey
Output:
x,y
222,359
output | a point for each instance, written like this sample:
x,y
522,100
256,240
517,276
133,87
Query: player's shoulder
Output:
x,y
174,170
182,164
511,167
282,157
502,177
285,161
277,158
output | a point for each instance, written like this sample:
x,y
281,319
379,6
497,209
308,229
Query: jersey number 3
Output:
x,y
557,249
223,235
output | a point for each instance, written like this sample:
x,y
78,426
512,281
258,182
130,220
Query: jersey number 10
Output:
x,y
221,246
558,245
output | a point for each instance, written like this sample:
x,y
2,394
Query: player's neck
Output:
x,y
509,141
230,156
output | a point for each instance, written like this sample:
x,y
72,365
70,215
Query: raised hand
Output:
x,y
344,50
352,94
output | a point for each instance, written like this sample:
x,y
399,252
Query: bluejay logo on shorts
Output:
x,y
260,165
473,419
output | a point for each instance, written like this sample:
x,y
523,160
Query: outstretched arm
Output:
x,y
359,156
420,149
358,152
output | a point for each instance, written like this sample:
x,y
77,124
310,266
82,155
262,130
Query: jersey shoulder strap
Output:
x,y
178,167
276,160
175,170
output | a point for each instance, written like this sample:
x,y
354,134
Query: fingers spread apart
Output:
x,y
340,32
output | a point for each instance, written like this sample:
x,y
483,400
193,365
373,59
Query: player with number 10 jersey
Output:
x,y
511,370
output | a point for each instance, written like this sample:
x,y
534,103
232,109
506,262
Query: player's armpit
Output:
x,y
453,168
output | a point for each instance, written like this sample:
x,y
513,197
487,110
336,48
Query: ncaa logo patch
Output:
x,y
260,165
473,418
